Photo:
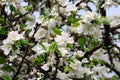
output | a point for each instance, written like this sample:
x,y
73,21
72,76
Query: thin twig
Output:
x,y
91,51
112,68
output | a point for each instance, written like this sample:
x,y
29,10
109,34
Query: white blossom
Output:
x,y
117,64
38,49
79,29
79,53
6,48
45,66
64,38
62,76
11,58
71,7
40,19
83,5
99,54
11,2
41,33
12,37
90,25
64,52
99,69
78,70
89,16
109,3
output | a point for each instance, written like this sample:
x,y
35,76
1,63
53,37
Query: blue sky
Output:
x,y
113,11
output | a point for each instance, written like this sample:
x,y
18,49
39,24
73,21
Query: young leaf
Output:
x,y
6,68
5,77
82,41
27,32
69,46
71,60
56,30
43,46
1,20
3,31
76,24
22,26
119,36
41,58
14,47
2,59
12,8
114,78
38,60
27,8
71,19
67,69
42,11
97,22
105,21
52,47
23,42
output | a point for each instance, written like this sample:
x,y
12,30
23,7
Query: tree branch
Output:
x,y
112,68
114,28
91,51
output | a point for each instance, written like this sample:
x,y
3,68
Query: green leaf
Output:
x,y
93,42
103,78
67,69
56,30
5,77
97,61
14,47
97,22
105,21
87,64
71,60
119,36
22,26
69,46
71,19
114,77
43,46
41,58
82,41
42,11
76,24
12,8
35,62
23,42
27,32
1,20
3,31
2,59
28,18
57,51
52,47
27,8
6,68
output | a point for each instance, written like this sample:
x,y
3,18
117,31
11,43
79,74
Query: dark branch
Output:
x,y
115,28
20,65
112,68
91,51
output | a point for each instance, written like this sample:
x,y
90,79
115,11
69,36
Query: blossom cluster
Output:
x,y
52,40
